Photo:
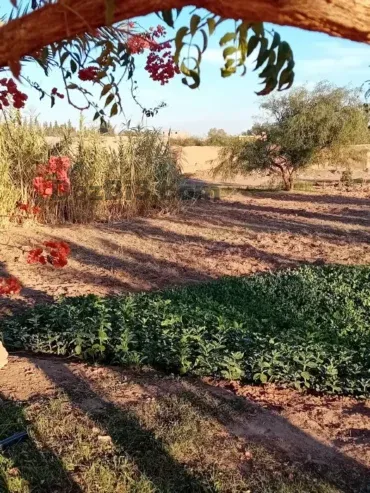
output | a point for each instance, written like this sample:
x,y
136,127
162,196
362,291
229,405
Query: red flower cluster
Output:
x,y
161,67
137,43
11,91
52,252
9,285
29,209
55,171
88,73
158,32
54,92
43,187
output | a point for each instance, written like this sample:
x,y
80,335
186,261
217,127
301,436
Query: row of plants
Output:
x,y
308,327
140,174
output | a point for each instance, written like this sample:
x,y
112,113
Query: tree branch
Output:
x,y
68,18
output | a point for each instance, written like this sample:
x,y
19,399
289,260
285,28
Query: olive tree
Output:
x,y
298,129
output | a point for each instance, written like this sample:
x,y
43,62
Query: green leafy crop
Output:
x,y
308,328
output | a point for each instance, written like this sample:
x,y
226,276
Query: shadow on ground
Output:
x,y
105,399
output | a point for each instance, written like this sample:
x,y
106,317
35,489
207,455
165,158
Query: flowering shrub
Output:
x,y
55,172
29,209
51,252
9,285
54,253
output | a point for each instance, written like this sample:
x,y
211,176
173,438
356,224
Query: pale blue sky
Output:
x,y
223,103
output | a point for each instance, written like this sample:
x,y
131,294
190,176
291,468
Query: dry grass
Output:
x,y
142,174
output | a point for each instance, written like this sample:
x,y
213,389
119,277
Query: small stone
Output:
x,y
3,356
248,455
105,438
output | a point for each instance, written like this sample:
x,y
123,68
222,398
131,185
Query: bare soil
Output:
x,y
239,235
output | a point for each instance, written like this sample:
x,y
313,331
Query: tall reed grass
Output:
x,y
137,174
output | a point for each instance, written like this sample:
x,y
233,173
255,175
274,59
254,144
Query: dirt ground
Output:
x,y
239,235
308,428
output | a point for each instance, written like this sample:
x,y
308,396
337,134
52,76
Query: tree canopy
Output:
x,y
297,129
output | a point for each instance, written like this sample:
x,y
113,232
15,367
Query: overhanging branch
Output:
x,y
67,18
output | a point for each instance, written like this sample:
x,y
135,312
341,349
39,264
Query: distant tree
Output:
x,y
299,128
217,137
251,131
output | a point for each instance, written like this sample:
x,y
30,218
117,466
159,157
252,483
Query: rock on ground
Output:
x,y
3,356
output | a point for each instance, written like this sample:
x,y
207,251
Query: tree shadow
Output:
x,y
207,241
248,420
265,219
241,417
129,437
34,464
308,197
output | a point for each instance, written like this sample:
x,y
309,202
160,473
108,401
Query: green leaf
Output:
x,y
229,63
194,22
106,89
284,53
263,53
270,85
73,66
205,40
226,38
168,17
263,378
96,116
64,57
258,28
311,364
114,110
190,73
252,44
269,71
286,79
211,25
109,99
72,86
230,50
227,72
183,31
275,41
305,375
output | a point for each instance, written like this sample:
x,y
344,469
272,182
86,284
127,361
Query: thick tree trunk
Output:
x,y
67,18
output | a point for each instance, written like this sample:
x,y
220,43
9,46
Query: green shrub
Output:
x,y
308,327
